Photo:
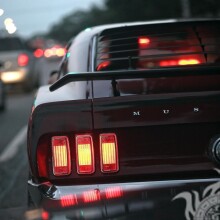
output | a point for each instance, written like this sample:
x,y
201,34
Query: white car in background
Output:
x,y
19,63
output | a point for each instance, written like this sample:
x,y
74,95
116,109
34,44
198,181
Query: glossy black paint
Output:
x,y
164,120
154,200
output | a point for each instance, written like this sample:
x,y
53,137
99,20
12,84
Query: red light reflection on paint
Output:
x,y
179,62
91,196
103,65
113,192
68,200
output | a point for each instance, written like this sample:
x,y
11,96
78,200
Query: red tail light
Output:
x,y
61,156
91,196
84,154
143,41
109,153
23,59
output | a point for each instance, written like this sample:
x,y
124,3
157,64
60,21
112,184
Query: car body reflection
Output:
x,y
141,200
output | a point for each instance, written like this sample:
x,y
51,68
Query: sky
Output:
x,y
31,17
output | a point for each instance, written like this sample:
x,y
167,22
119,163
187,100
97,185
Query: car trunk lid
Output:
x,y
162,125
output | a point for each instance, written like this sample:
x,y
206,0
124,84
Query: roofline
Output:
x,y
89,32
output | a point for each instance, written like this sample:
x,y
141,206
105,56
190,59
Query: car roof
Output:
x,y
88,33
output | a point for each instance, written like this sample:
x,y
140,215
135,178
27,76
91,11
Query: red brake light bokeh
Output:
x,y
38,53
180,62
54,51
23,59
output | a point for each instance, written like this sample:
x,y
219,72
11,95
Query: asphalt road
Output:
x,y
13,155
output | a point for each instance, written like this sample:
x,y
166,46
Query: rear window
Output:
x,y
158,46
10,44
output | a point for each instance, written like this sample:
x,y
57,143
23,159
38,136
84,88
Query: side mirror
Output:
x,y
54,75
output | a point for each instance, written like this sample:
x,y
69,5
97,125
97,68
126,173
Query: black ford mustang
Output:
x,y
131,124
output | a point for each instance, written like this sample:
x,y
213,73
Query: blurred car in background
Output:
x,y
54,52
47,48
19,63
2,91
48,54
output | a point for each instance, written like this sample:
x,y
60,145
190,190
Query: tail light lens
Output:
x,y
84,154
109,153
61,156
23,59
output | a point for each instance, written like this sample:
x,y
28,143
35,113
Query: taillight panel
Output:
x,y
73,156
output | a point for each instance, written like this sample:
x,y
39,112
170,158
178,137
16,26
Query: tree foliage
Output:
x,y
132,10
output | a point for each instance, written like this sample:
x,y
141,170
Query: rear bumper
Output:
x,y
157,199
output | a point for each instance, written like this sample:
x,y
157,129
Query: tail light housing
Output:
x,y
84,154
109,153
61,156
23,59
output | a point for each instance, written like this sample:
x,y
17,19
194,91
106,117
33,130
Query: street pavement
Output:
x,y
13,154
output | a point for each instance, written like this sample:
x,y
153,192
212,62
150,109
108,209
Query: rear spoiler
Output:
x,y
135,74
